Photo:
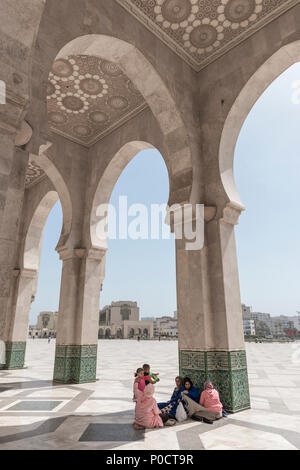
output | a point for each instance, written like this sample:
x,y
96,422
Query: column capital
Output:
x,y
96,254
176,216
25,273
231,214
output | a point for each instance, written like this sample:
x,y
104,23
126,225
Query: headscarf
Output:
x,y
208,385
181,382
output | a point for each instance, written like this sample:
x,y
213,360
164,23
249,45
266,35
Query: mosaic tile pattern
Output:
x,y
226,370
199,31
75,364
15,355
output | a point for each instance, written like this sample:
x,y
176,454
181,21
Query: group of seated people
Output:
x,y
150,414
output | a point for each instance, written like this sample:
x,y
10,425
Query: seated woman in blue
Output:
x,y
190,390
170,406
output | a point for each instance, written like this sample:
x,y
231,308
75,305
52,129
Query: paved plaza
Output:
x,y
35,414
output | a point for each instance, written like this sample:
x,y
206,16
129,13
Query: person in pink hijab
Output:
x,y
210,399
147,413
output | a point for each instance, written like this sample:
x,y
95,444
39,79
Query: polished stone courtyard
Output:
x,y
35,414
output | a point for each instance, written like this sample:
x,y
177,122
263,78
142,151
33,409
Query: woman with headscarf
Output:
x,y
147,413
210,399
208,409
170,406
190,390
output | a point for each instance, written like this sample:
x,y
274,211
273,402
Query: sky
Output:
x,y
267,170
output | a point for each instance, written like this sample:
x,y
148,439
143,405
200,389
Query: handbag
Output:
x,y
181,413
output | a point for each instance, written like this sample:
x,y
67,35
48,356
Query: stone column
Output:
x,y
16,328
13,164
211,339
78,318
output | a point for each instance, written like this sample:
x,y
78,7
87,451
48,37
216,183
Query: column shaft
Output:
x,y
211,340
78,319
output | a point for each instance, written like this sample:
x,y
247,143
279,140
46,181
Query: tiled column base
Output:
x,y
15,356
75,364
227,370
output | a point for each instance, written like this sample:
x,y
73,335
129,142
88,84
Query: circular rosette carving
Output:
x,y
203,36
176,11
62,68
82,131
118,102
57,118
109,68
72,103
98,117
237,11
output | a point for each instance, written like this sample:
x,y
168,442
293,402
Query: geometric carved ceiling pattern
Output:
x,y
202,30
88,97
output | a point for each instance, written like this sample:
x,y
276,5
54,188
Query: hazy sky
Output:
x,y
267,170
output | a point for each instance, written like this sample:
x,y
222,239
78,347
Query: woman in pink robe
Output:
x,y
147,413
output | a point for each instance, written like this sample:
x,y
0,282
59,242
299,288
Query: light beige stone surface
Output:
x,y
192,118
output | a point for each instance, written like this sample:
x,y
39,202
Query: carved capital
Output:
x,y
231,214
81,253
177,217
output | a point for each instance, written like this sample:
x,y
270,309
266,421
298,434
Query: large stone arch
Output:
x,y
56,178
258,83
146,79
107,182
34,236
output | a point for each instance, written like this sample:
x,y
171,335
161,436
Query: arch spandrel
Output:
x,y
146,79
34,235
254,88
57,179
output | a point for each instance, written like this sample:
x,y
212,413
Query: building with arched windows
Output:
x,y
121,320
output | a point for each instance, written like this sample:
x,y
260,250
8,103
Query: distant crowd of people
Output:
x,y
185,402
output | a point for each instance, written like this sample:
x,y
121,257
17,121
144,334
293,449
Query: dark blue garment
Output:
x,y
194,394
177,394
175,398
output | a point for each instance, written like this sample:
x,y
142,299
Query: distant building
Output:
x,y
122,320
166,326
265,324
249,327
46,325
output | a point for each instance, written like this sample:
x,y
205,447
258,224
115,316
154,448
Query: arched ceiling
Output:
x,y
199,31
89,97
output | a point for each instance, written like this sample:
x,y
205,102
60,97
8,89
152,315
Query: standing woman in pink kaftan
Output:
x,y
147,413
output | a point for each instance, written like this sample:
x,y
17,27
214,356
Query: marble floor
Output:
x,y
35,414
